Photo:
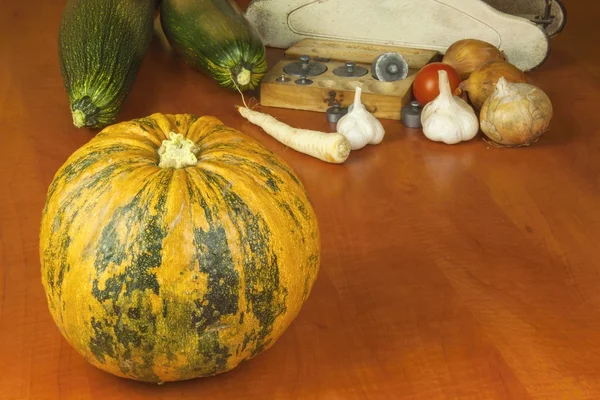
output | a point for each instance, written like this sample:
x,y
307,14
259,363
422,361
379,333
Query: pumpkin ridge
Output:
x,y
63,238
137,279
266,300
213,259
262,282
249,170
283,204
272,180
272,160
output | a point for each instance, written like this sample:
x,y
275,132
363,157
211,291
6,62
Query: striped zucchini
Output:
x,y
215,37
101,46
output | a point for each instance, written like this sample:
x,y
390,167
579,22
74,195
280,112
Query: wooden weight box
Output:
x,y
383,99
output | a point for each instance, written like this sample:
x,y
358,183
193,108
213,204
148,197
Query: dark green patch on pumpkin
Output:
x,y
272,184
133,313
266,297
264,293
272,159
116,310
134,330
99,183
66,213
207,210
164,308
247,339
63,242
302,208
137,335
127,337
77,166
313,266
111,251
146,122
272,180
215,355
285,206
261,346
102,343
223,281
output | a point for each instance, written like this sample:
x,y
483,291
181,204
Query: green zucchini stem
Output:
x,y
244,77
85,113
78,118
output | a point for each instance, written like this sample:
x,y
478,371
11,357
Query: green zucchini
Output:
x,y
214,37
101,47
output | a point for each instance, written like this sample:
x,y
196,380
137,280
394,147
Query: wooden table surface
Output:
x,y
448,272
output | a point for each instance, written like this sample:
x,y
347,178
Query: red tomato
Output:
x,y
425,86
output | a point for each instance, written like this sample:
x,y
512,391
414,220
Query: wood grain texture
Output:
x,y
448,272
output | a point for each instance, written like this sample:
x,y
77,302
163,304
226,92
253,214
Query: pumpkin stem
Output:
x,y
177,152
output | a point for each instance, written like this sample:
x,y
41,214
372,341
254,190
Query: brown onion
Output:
x,y
469,54
516,114
482,81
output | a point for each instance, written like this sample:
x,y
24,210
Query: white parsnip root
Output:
x,y
330,147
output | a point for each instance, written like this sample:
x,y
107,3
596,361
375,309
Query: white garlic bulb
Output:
x,y
359,126
448,119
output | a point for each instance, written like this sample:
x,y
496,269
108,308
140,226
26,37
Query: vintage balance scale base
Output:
x,y
316,74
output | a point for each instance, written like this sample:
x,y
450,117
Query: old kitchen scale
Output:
x,y
332,46
318,74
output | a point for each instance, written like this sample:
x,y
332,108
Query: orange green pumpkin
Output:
x,y
160,270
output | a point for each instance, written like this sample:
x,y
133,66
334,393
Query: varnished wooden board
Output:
x,y
358,52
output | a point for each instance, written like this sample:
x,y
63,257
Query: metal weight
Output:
x,y
305,67
389,67
350,69
335,113
283,79
411,115
303,81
